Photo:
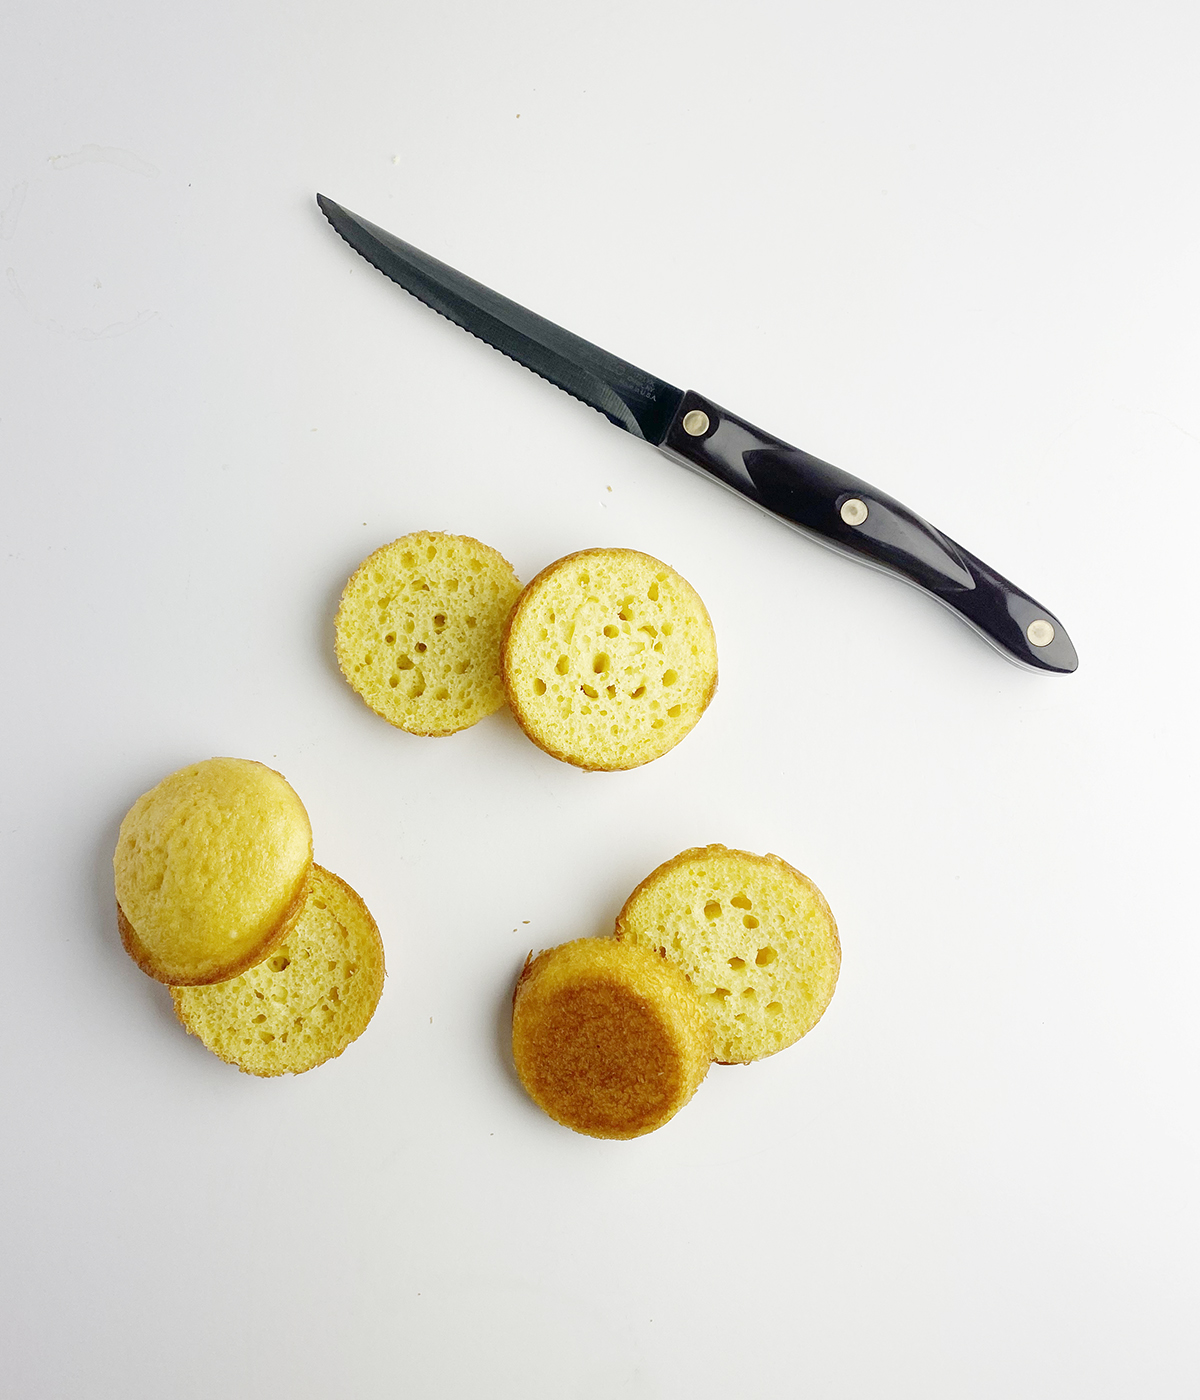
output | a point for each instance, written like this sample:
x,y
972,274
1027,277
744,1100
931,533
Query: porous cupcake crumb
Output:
x,y
754,937
609,659
304,1003
418,631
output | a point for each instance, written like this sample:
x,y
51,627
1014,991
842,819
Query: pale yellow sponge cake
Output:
x,y
608,659
609,1039
210,868
305,1002
418,631
755,938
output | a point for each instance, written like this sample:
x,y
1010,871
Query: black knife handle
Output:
x,y
855,518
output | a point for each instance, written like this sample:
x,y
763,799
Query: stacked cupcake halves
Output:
x,y
275,963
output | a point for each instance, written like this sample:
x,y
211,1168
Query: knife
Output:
x,y
822,501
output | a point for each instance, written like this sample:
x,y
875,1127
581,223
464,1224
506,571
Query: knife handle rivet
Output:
x,y
1040,632
854,511
695,423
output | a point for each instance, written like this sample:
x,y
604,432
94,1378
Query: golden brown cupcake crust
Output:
x,y
609,1041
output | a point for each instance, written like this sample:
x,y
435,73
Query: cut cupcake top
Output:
x,y
608,659
754,936
608,1039
209,867
418,631
307,1000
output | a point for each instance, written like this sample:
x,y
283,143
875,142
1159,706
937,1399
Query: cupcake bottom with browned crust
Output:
x,y
304,1003
609,1040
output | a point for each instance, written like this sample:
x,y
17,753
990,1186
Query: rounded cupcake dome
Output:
x,y
210,867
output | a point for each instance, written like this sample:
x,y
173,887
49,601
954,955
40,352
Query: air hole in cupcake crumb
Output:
x,y
611,631
611,692
390,638
600,664
652,593
766,956
539,687
749,920
393,681
439,620
430,552
721,993
656,724
320,904
737,964
590,692
750,992
408,560
421,647
562,665
668,628
739,901
441,693
266,1037
470,622
279,962
774,1008
712,910
404,663
260,1018
670,677
675,711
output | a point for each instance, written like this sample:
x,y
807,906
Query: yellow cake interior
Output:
x,y
307,1000
754,937
609,659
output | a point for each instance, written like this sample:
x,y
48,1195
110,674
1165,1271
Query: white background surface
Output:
x,y
953,249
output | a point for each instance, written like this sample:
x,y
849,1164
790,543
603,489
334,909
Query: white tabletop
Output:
x,y
952,249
